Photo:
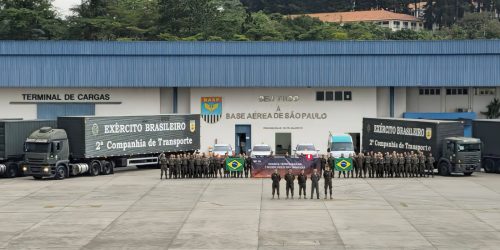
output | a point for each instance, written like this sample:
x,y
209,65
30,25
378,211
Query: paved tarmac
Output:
x,y
135,210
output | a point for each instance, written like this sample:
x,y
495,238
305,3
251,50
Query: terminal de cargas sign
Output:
x,y
79,97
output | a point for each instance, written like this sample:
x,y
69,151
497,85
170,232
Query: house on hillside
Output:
x,y
384,18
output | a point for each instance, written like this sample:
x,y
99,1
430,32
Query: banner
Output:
x,y
235,164
263,167
343,164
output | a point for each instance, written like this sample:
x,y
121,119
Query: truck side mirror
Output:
x,y
328,150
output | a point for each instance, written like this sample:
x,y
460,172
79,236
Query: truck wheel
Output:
x,y
95,168
60,173
11,171
489,166
444,169
107,167
468,174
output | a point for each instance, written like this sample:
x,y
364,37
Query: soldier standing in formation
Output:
x,y
342,171
360,160
289,178
322,161
178,166
401,167
430,165
221,164
368,165
171,166
421,165
328,175
276,178
302,179
315,183
163,165
248,166
205,163
185,162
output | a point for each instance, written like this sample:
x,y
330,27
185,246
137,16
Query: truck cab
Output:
x,y
460,155
46,154
340,144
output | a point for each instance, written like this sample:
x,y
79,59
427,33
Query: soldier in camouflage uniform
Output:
x,y
213,166
205,164
248,166
394,164
387,165
414,165
220,165
171,166
191,168
421,164
360,160
401,166
163,165
376,162
197,166
178,166
185,163
368,165
407,169
430,165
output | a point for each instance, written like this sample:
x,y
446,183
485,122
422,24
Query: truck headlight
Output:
x,y
45,169
25,168
459,161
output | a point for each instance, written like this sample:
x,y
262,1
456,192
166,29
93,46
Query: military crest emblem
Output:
x,y
428,133
211,109
192,126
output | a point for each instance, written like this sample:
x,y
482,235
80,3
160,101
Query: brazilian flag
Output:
x,y
343,164
235,164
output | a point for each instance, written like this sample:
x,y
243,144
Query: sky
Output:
x,y
63,6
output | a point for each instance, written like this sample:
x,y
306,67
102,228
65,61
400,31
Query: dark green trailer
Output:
x,y
95,145
13,134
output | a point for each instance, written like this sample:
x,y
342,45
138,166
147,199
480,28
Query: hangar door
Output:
x,y
52,110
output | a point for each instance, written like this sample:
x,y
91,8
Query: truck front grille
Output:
x,y
35,169
35,160
471,159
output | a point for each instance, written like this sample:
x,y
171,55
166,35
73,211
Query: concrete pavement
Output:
x,y
135,210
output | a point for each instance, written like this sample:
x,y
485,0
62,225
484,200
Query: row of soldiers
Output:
x,y
302,181
180,166
378,165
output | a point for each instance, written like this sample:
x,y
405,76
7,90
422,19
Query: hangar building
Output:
x,y
277,93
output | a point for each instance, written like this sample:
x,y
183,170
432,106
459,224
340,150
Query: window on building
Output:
x,y
457,91
420,25
338,95
396,23
413,24
347,96
385,22
320,96
405,24
429,91
329,95
485,91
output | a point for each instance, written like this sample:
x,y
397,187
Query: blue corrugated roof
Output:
x,y
249,64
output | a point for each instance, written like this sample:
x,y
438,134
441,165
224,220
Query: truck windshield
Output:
x,y
222,149
468,147
342,146
37,147
305,148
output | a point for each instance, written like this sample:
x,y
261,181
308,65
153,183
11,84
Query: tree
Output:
x,y
260,27
493,111
444,12
185,17
29,19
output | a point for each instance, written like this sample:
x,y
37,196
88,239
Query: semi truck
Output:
x,y
453,152
13,132
97,145
489,133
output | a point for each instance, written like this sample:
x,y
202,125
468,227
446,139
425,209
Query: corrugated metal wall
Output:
x,y
249,64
